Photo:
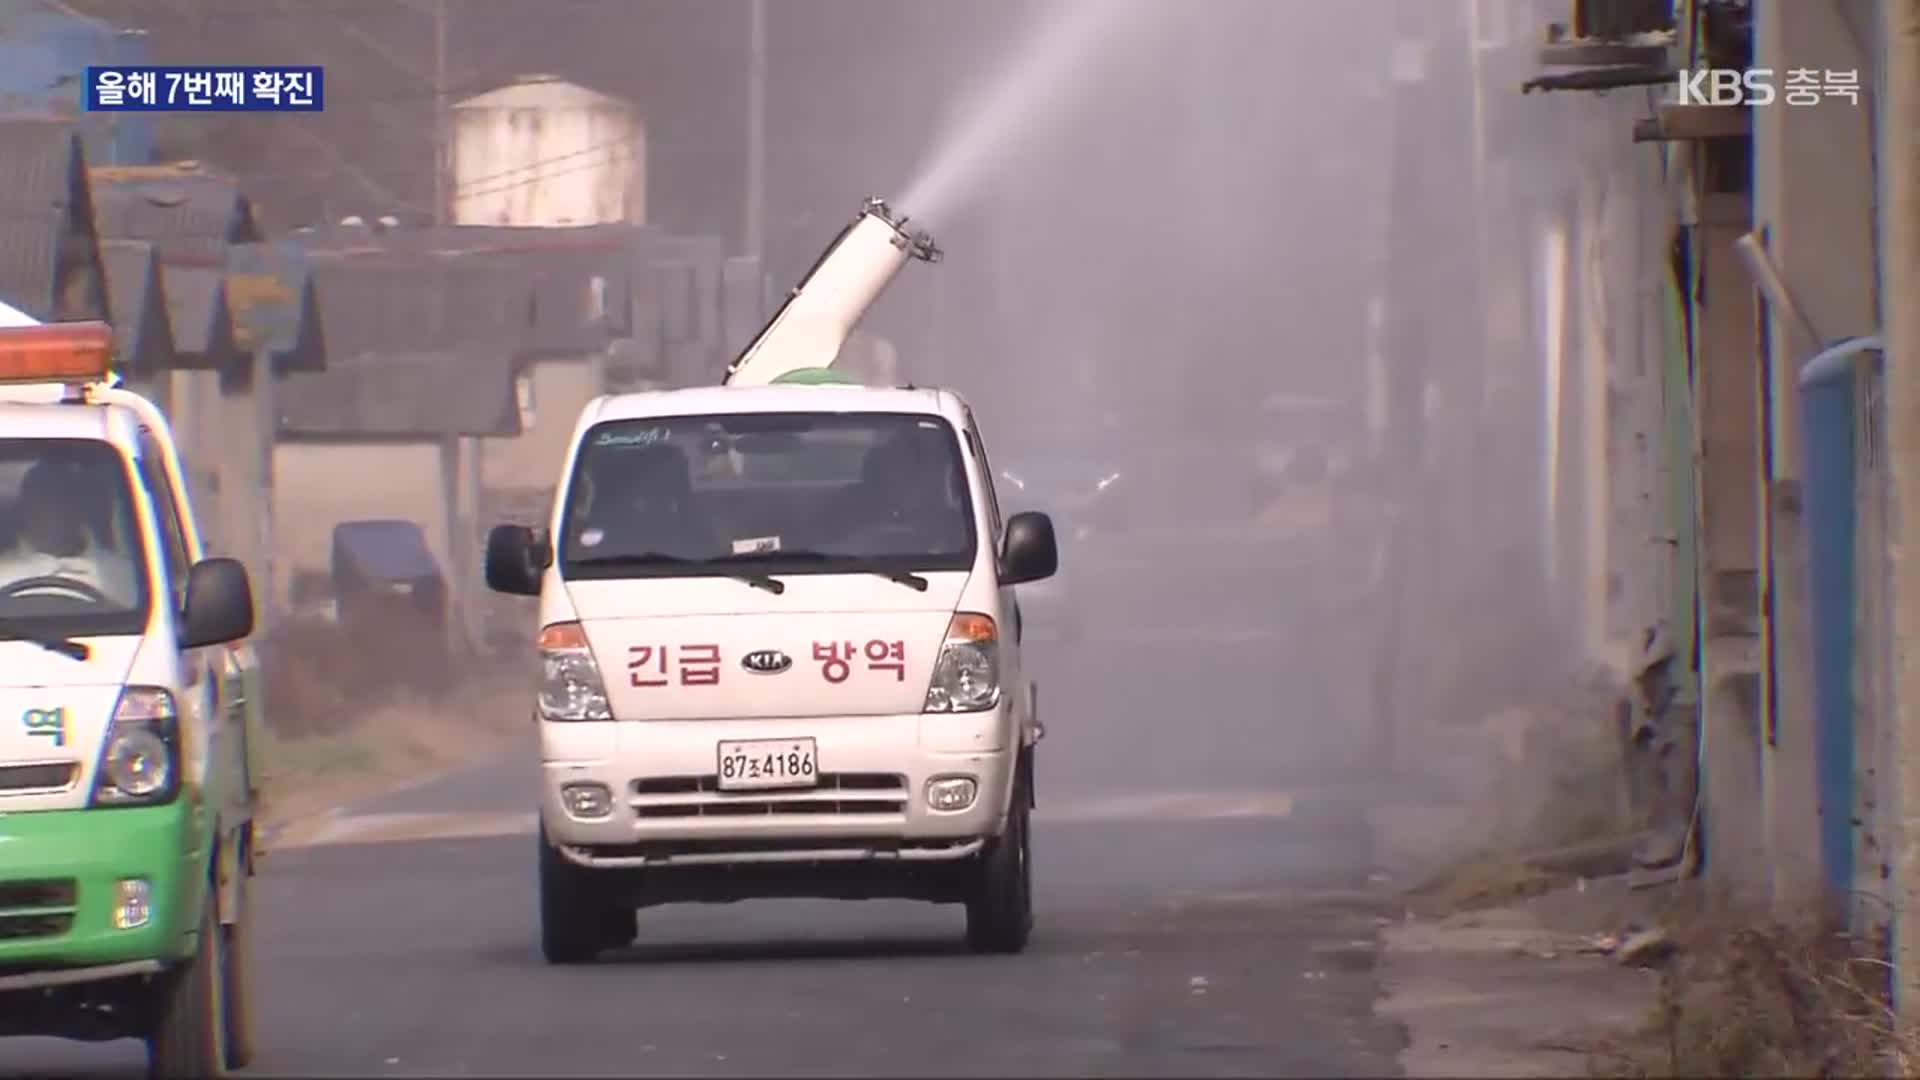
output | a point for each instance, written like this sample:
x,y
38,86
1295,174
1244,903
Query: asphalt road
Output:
x,y
1201,866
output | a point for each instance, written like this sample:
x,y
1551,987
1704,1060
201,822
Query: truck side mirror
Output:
x,y
1029,552
219,604
516,557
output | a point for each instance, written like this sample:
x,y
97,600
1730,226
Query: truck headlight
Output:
x,y
140,757
570,685
966,678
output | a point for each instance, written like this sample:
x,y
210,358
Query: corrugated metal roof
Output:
x,y
40,190
533,287
350,240
404,395
202,324
189,213
142,325
274,306
371,306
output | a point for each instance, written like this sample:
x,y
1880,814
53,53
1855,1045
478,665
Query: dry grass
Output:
x,y
340,724
1746,997
1554,812
1482,882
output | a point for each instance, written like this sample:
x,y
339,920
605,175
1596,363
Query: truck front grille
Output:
x,y
837,795
37,908
43,776
15,927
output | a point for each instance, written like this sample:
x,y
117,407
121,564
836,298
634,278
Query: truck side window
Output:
x,y
173,543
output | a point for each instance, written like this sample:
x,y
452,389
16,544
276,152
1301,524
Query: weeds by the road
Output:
x,y
1747,997
336,730
405,741
1555,812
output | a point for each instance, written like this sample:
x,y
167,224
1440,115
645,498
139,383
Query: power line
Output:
x,y
542,163
526,183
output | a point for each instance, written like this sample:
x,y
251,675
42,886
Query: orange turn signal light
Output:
x,y
564,635
972,626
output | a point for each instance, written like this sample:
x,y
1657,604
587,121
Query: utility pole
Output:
x,y
459,457
440,141
754,220
1899,154
1407,330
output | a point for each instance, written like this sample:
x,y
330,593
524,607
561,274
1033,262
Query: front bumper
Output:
x,y
871,801
58,870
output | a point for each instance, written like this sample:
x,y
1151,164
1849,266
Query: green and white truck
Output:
x,y
128,702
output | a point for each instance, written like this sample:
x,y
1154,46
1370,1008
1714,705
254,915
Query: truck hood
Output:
x,y
71,701
678,648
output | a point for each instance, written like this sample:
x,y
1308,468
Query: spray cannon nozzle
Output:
x,y
917,245
921,246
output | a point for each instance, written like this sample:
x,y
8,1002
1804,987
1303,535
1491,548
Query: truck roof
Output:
x,y
23,420
710,400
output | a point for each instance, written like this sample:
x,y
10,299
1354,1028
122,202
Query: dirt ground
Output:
x,y
1523,989
1504,959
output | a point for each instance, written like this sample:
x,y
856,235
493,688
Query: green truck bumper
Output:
x,y
59,875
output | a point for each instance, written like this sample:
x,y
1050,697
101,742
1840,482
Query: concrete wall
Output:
x,y
319,485
559,390
192,403
1813,200
1727,405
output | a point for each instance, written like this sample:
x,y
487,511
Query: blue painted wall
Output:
x,y
43,53
1830,420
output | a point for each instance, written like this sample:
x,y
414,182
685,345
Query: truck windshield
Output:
x,y
782,493
71,559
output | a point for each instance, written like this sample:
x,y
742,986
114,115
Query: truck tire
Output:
x,y
186,1040
1000,894
237,992
577,919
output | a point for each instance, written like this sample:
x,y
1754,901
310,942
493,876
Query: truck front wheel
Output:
x,y
237,993
187,1038
577,918
1000,894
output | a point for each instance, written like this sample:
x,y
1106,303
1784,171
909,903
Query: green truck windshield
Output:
x,y
71,559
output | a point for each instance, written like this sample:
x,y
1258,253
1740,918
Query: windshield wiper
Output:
x,y
638,558
902,577
655,558
759,581
65,646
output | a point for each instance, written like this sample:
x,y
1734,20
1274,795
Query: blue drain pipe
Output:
x,y
1829,388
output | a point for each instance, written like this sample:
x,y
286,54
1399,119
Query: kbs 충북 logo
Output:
x,y
1757,86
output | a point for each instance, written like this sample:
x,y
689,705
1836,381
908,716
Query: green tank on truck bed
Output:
x,y
128,706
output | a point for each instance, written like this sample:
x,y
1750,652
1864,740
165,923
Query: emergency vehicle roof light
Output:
x,y
74,352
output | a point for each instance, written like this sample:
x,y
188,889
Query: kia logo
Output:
x,y
766,662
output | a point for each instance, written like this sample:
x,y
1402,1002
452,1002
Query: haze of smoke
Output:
x,y
1043,74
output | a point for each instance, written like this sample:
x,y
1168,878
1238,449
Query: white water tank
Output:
x,y
544,152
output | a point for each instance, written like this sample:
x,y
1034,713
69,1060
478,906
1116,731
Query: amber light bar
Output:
x,y
56,352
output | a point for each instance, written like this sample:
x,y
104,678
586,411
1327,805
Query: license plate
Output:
x,y
757,764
